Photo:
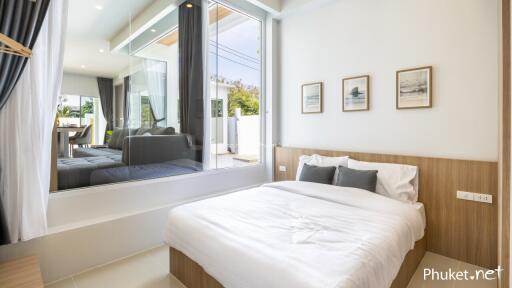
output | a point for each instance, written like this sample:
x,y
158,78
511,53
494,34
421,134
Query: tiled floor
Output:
x,y
442,263
151,270
146,270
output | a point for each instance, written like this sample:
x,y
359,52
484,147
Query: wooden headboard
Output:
x,y
460,229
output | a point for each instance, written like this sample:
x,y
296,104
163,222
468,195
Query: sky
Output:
x,y
238,51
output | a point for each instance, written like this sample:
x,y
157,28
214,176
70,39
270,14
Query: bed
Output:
x,y
296,234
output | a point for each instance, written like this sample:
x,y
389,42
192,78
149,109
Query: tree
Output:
x,y
87,108
244,97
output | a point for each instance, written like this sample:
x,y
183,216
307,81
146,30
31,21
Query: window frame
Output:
x,y
251,11
260,15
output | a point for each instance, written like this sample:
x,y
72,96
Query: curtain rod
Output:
x,y
13,47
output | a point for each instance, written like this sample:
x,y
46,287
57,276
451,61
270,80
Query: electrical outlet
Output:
x,y
486,198
282,168
465,195
478,197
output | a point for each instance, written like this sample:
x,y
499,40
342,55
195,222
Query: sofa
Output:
x,y
127,147
116,142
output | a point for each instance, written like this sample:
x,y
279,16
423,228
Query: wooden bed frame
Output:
x,y
193,275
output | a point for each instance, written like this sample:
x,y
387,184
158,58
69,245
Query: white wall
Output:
x,y
338,39
248,140
75,84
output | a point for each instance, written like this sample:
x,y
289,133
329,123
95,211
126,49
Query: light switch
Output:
x,y
282,168
465,195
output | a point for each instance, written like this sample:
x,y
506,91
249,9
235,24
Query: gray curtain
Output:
x,y
191,71
126,110
106,88
20,20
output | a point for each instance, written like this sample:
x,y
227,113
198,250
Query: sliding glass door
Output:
x,y
234,52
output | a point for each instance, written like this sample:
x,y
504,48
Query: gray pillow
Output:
x,y
362,179
312,173
156,131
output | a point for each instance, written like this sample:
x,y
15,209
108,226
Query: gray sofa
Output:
x,y
127,147
115,145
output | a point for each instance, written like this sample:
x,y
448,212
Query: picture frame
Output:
x,y
356,93
312,98
414,88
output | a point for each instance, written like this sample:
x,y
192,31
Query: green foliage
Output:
x,y
87,108
147,116
63,112
244,97
108,136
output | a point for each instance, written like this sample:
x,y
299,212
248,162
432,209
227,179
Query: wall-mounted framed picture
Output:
x,y
414,88
356,93
312,97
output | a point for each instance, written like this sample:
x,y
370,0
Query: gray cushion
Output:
x,y
362,179
147,171
312,173
81,152
118,135
141,149
156,131
76,172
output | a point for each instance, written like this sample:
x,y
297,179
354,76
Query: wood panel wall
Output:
x,y
460,229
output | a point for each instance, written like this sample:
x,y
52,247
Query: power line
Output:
x,y
229,52
224,47
234,61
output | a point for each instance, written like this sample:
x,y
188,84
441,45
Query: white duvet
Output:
x,y
297,234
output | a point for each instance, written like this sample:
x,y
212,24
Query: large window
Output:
x,y
235,83
156,129
80,111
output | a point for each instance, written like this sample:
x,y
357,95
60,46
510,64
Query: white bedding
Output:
x,y
297,234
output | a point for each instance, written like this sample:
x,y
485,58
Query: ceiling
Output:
x,y
91,25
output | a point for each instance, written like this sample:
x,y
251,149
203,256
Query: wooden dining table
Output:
x,y
64,139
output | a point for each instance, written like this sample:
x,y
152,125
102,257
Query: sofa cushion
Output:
x,y
118,135
81,152
76,172
147,171
156,131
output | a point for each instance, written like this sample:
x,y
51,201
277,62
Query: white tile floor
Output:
x,y
442,263
151,270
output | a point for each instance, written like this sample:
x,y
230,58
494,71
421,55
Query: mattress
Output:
x,y
297,234
421,210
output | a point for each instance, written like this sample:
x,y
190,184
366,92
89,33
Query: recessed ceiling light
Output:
x,y
82,66
189,5
101,50
153,30
99,7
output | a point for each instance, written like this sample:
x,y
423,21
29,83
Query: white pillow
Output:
x,y
322,161
396,181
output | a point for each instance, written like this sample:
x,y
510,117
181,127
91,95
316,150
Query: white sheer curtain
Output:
x,y
26,124
155,75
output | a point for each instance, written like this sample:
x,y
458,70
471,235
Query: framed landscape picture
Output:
x,y
312,98
414,88
356,93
